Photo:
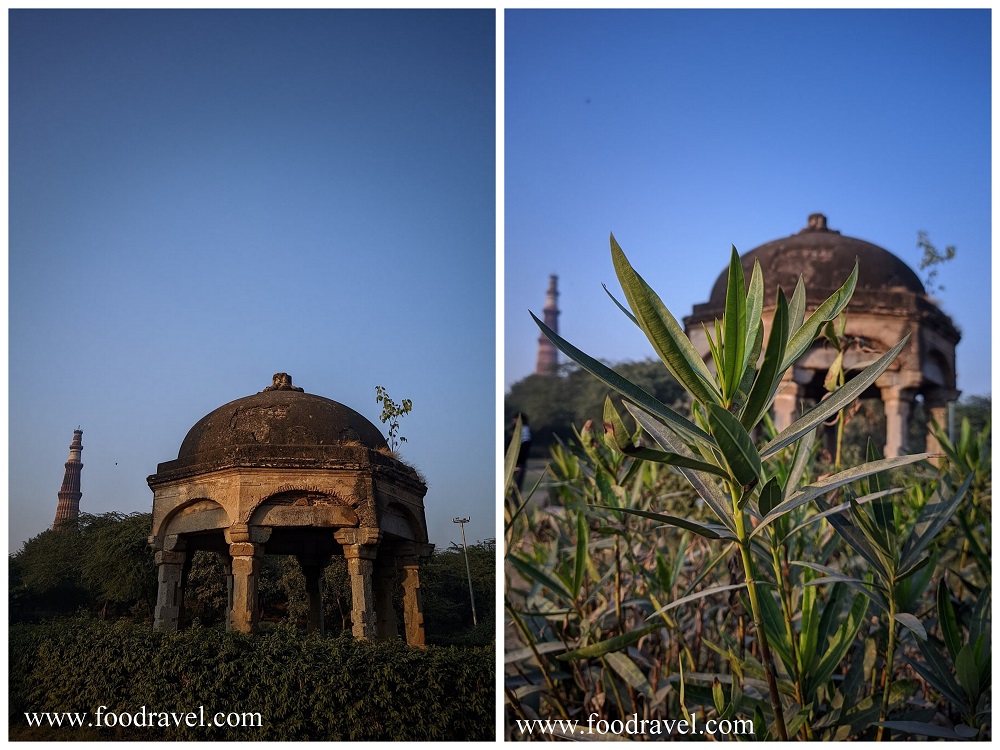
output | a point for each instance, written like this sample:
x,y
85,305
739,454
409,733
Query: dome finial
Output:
x,y
817,223
282,381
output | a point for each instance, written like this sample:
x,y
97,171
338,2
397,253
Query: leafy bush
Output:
x,y
305,687
800,601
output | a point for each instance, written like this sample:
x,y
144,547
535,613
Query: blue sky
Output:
x,y
686,132
200,199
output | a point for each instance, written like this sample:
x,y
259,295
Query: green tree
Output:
x,y
555,404
117,563
101,563
444,585
931,259
391,412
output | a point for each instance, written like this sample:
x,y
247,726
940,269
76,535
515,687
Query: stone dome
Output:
x,y
824,257
279,418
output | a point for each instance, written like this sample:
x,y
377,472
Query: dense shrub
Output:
x,y
304,687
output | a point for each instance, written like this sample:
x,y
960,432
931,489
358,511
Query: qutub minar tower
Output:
x,y
68,509
548,355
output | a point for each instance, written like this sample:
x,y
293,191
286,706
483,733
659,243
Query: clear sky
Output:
x,y
200,199
686,132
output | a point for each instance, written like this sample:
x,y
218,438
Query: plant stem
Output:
x,y
887,669
765,650
781,573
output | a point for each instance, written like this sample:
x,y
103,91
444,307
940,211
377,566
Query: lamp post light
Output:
x,y
461,522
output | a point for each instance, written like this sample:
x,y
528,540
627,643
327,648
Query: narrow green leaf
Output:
x,y
664,333
931,520
922,728
737,447
718,697
709,531
735,331
770,496
797,307
510,459
850,534
801,461
821,487
617,643
841,642
911,622
843,507
702,482
967,673
547,647
876,482
873,591
902,575
755,305
937,671
532,572
699,595
979,623
872,532
769,375
800,341
582,540
774,625
714,345
625,387
833,403
948,621
620,305
628,671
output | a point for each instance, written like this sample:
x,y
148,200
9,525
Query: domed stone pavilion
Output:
x,y
889,302
291,473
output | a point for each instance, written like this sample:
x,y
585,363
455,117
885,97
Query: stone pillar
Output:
x,y
170,592
897,403
312,569
409,558
359,569
385,577
246,556
360,547
246,547
413,605
786,403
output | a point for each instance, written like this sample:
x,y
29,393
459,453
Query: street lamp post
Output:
x,y
461,522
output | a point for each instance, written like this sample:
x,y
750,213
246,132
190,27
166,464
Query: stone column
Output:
x,y
385,577
360,547
897,403
786,403
170,589
359,569
312,569
246,547
410,556
170,593
246,568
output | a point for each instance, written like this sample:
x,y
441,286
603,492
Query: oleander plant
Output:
x,y
703,565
